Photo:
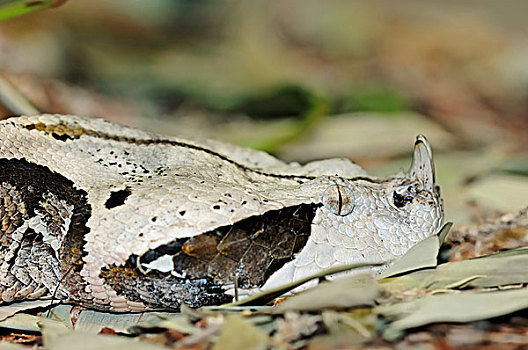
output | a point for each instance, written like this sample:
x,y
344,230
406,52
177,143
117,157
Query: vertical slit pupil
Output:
x,y
340,200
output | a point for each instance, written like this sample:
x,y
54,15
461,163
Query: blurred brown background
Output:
x,y
303,80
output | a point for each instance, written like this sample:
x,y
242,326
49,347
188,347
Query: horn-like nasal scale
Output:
x,y
422,166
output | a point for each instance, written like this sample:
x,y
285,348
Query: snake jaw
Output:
x,y
422,166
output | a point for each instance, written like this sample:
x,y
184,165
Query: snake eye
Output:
x,y
339,200
403,196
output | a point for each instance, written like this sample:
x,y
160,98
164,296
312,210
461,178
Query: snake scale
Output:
x,y
117,219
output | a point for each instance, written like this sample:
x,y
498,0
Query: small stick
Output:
x,y
14,101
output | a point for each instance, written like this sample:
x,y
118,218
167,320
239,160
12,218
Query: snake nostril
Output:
x,y
339,199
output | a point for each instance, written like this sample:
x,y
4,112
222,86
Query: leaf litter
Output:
x,y
355,310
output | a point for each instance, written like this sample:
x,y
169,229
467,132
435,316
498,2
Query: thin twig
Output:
x,y
14,101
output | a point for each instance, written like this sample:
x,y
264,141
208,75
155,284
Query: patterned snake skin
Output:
x,y
113,218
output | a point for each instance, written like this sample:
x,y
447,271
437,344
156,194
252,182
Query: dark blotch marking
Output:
x,y
117,198
33,181
63,137
249,250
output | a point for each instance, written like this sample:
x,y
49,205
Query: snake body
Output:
x,y
114,218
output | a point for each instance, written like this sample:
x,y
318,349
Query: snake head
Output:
x,y
415,197
365,219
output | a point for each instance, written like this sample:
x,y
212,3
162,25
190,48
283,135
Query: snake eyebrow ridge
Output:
x,y
63,132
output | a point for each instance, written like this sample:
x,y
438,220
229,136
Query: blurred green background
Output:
x,y
303,80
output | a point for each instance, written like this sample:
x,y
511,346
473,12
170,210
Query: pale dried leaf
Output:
x,y
11,309
26,322
91,321
61,313
11,346
341,293
423,254
22,322
175,322
444,231
56,337
508,267
238,333
270,294
451,307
